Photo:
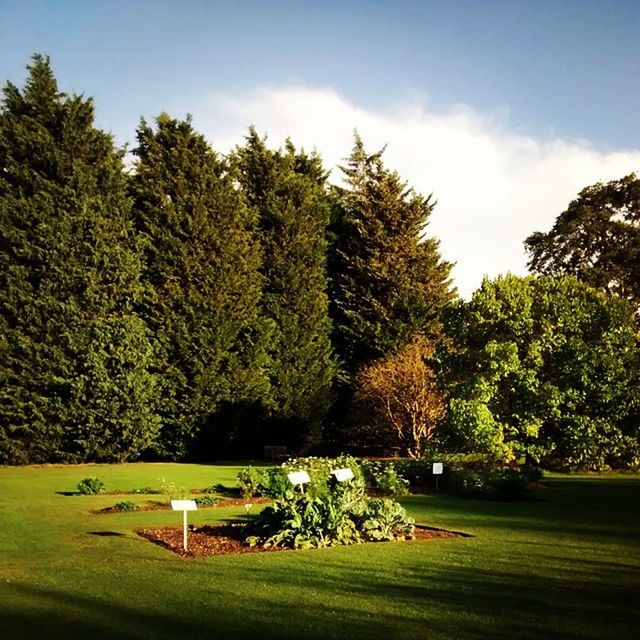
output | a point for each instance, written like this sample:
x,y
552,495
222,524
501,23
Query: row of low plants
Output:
x,y
168,491
467,475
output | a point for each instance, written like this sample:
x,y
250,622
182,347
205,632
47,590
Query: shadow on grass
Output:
x,y
328,598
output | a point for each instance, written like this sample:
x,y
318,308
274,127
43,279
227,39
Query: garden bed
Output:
x,y
153,505
218,540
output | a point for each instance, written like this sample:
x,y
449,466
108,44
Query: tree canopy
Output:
x,y
597,239
286,191
546,368
75,358
388,280
202,279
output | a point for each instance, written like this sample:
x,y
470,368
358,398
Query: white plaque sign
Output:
x,y
184,505
437,468
298,477
342,474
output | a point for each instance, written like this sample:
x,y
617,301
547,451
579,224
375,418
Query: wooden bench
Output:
x,y
275,452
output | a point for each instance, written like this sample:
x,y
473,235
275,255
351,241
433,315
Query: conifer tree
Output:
x,y
286,189
74,357
203,283
388,280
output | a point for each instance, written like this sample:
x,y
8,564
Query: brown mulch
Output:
x,y
230,538
153,505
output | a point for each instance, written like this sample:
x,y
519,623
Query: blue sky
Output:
x,y
545,94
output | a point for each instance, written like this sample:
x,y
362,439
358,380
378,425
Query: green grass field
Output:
x,y
564,566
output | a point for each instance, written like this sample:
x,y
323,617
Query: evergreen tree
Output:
x,y
388,281
286,189
203,283
74,357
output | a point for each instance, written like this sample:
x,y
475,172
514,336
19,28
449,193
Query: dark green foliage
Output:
x,y
507,484
126,505
545,369
285,190
207,501
146,491
203,285
74,356
597,239
388,281
90,486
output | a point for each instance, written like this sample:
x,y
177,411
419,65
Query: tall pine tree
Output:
x,y
74,356
286,189
203,284
388,280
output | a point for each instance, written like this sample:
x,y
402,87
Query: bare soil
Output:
x,y
230,538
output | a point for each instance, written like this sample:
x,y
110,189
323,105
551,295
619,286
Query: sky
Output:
x,y
503,110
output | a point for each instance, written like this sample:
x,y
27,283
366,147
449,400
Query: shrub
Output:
x,y
125,506
249,480
146,491
215,488
171,491
509,484
90,486
273,482
383,476
506,484
532,474
207,501
385,519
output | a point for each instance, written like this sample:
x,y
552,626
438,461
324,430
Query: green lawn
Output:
x,y
565,566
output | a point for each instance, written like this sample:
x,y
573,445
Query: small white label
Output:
x,y
298,477
184,505
342,474
437,468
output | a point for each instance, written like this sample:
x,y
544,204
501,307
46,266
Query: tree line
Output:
x,y
195,305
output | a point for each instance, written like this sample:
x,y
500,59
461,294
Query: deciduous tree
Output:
x,y
597,239
398,399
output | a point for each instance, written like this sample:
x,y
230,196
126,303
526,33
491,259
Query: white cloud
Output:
x,y
493,186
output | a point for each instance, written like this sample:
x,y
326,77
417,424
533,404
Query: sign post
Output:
x,y
342,475
299,478
184,506
438,468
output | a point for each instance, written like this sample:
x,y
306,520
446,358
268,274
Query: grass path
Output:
x,y
564,566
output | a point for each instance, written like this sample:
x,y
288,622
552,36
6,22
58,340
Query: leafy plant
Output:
x,y
249,480
207,501
385,519
125,506
215,488
383,477
172,492
90,486
146,491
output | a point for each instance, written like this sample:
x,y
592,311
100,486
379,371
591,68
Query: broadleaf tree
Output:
x,y
596,239
544,369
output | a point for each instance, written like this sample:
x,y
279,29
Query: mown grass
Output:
x,y
566,565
